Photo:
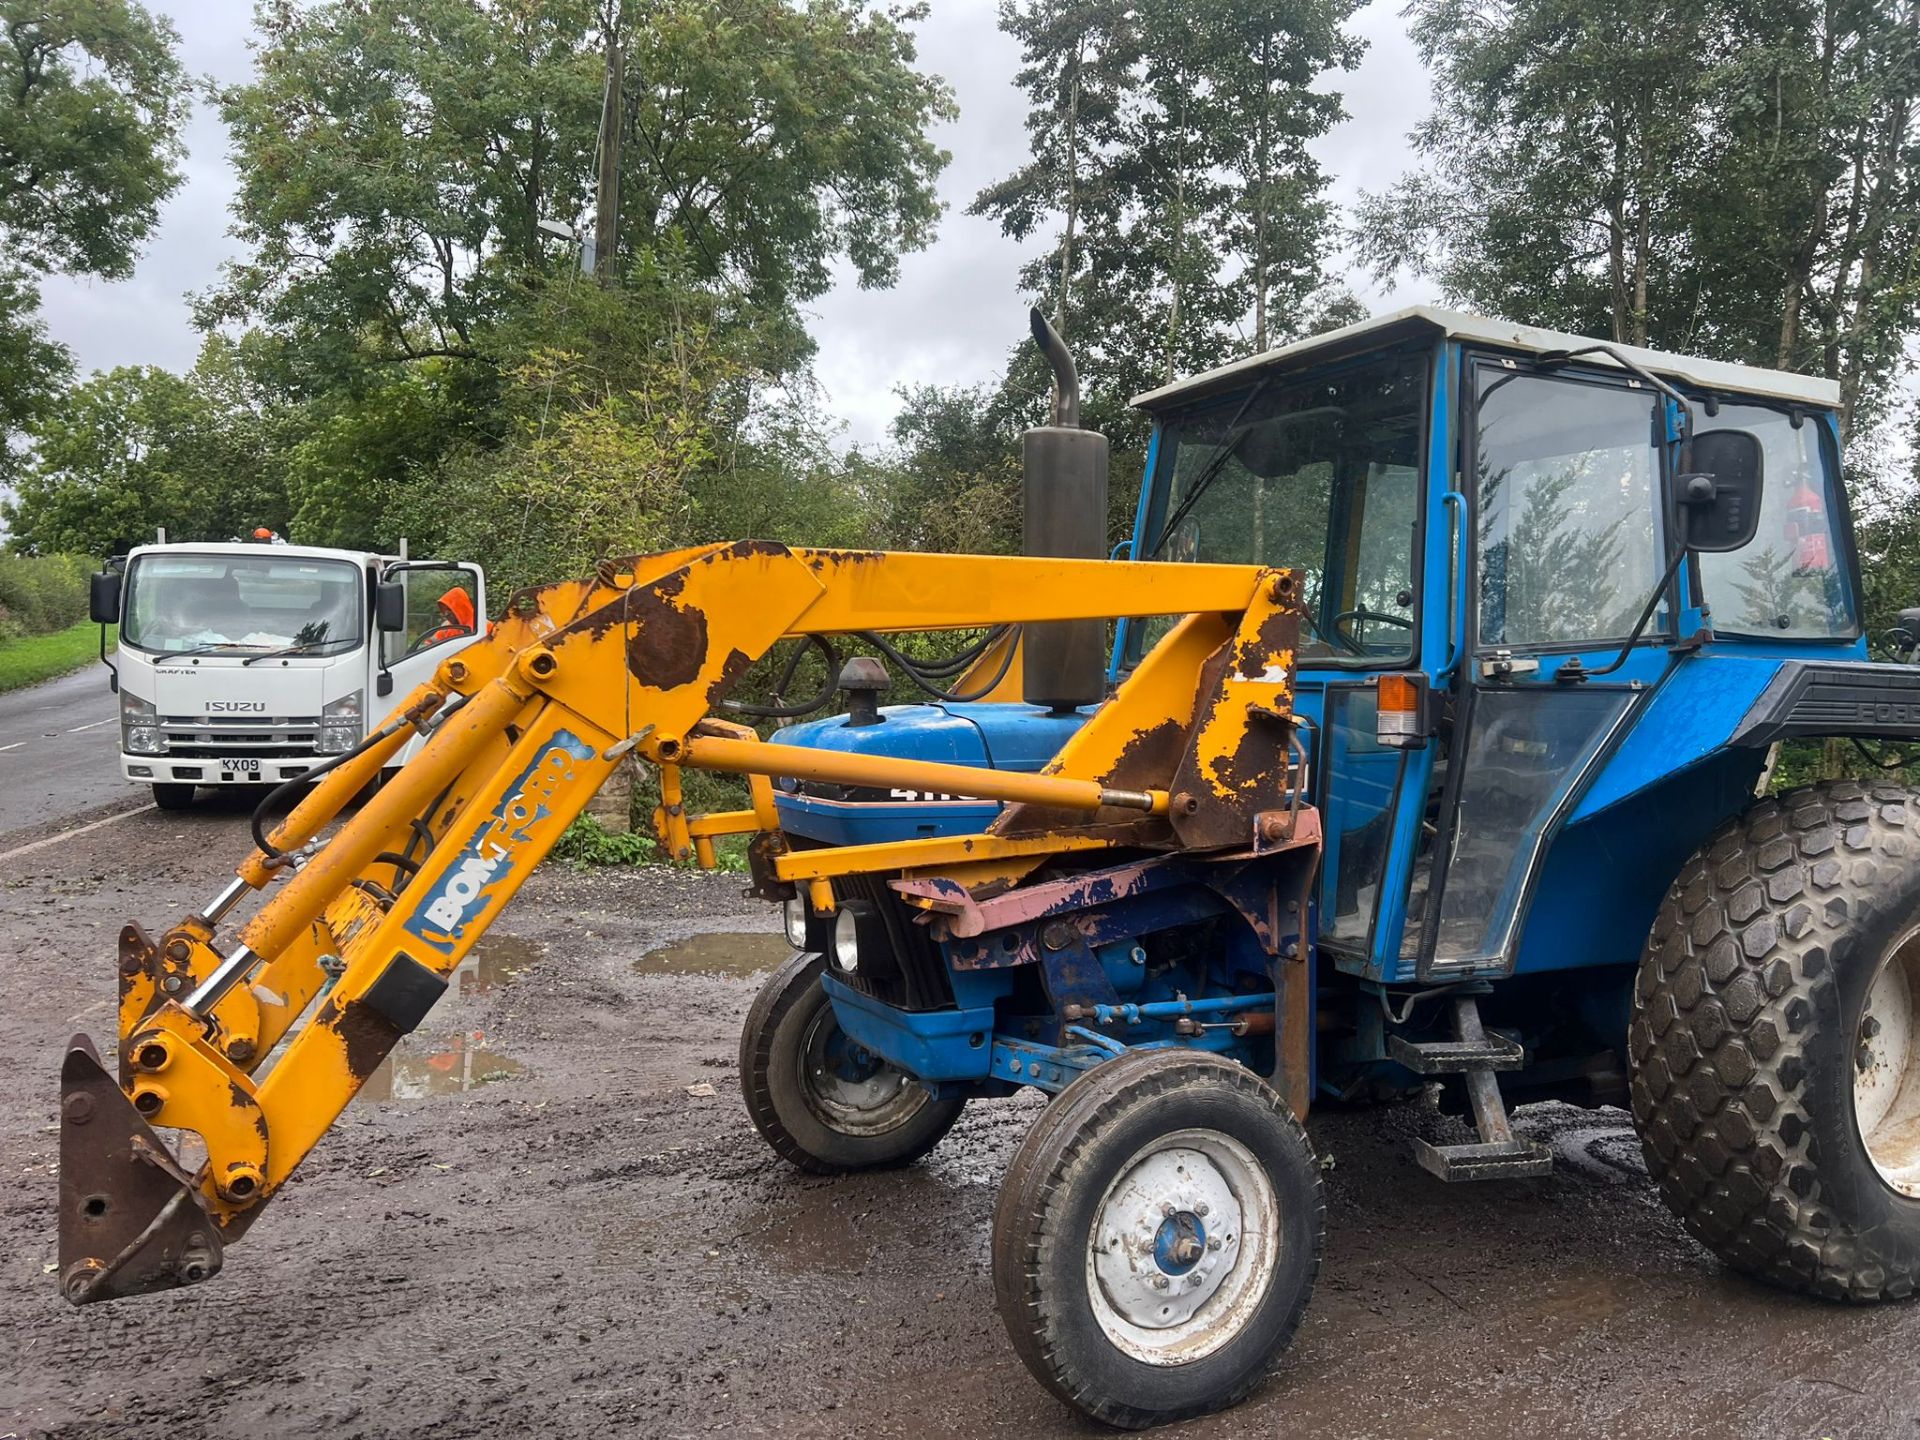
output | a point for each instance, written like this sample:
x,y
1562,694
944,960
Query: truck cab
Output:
x,y
245,664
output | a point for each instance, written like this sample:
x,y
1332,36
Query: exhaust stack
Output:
x,y
1065,517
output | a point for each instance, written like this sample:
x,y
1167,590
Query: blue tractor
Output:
x,y
1560,605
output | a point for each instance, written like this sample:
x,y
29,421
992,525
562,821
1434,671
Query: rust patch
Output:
x,y
367,1036
669,645
1148,761
736,665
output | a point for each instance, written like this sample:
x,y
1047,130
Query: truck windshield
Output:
x,y
1321,474
241,603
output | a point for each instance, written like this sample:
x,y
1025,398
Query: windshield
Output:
x,y
1788,582
241,603
1321,475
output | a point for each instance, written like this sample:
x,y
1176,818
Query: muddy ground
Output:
x,y
543,1232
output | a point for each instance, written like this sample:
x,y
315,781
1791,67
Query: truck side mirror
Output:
x,y
390,606
1719,499
103,598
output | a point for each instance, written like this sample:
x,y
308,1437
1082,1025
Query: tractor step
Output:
x,y
1502,1160
1474,1055
1456,1057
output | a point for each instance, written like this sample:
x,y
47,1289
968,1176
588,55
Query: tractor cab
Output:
x,y
1496,597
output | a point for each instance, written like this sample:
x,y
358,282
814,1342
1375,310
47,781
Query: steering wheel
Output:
x,y
1338,640
1347,617
423,641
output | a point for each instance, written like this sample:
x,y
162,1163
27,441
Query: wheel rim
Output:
x,y
1184,1247
1886,1069
848,1088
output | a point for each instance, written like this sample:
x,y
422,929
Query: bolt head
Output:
x,y
173,984
1864,1058
1869,1028
77,1108
1213,1242
1166,1208
1201,1209
1160,1282
1193,1278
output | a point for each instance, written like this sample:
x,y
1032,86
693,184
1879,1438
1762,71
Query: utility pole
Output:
x,y
606,221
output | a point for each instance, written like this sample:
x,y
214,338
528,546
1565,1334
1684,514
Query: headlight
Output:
x,y
846,941
794,915
140,727
341,724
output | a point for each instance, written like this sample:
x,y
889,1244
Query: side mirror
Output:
x,y
390,606
1719,499
103,598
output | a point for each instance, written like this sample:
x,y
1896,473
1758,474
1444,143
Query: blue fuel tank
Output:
x,y
1001,737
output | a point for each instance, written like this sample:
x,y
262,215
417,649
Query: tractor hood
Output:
x,y
1000,737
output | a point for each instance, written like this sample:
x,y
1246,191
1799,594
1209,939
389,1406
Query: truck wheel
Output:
x,y
821,1101
173,796
1157,1237
1775,1044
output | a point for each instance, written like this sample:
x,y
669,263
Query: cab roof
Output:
x,y
258,548
1432,321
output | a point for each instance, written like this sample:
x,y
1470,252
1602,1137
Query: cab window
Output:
x,y
441,607
1566,475
1320,475
1789,582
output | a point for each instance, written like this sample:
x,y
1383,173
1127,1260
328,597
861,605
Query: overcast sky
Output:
x,y
953,316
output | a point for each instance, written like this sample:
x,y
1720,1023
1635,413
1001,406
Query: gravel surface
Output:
x,y
574,1244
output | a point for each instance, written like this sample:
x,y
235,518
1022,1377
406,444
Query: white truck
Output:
x,y
252,663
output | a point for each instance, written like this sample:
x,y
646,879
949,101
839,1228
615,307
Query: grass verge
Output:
x,y
41,657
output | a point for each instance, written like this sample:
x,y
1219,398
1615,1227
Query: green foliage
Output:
x,y
1728,179
30,659
136,448
395,161
41,593
90,135
1170,142
89,148
586,842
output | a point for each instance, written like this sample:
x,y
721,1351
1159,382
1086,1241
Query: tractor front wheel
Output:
x,y
1157,1237
1775,1043
823,1102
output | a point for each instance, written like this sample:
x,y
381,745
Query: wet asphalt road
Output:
x,y
537,1222
59,751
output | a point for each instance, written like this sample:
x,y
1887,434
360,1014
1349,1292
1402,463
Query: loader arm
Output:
x,y
255,1043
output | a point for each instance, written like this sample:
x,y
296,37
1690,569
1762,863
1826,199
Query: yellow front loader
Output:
x,y
1177,804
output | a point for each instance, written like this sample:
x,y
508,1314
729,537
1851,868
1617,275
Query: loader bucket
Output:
x,y
131,1221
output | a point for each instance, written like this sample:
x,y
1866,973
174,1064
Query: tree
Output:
x,y
395,162
1739,179
1170,148
89,149
139,447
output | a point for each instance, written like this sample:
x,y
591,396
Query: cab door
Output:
x,y
1563,479
446,612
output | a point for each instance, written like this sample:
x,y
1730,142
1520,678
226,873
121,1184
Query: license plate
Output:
x,y
240,767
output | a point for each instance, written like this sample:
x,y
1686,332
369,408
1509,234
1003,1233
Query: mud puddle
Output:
x,y
729,953
420,1067
417,1070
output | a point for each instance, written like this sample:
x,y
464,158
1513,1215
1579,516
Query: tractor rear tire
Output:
x,y
1157,1237
821,1102
1775,1044
172,796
